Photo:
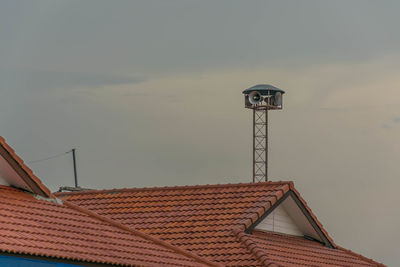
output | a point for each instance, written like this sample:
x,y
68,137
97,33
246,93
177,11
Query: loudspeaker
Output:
x,y
255,98
278,99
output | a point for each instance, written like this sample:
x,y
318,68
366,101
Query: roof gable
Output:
x,y
14,172
280,220
289,215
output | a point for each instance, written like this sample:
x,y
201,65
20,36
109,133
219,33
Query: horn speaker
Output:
x,y
278,99
255,98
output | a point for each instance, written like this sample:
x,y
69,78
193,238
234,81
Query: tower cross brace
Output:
x,y
260,145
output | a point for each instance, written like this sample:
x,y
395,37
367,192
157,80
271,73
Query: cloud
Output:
x,y
34,80
387,126
396,119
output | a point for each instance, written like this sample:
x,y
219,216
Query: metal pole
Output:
x,y
266,145
254,145
260,145
75,175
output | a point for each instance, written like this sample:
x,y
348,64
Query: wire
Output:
x,y
51,157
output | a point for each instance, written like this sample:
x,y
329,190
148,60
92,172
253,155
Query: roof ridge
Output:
x,y
141,234
176,187
254,249
361,256
32,178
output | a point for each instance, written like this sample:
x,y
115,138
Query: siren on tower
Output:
x,y
261,98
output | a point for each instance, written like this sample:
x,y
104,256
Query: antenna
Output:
x,y
261,98
74,160
73,151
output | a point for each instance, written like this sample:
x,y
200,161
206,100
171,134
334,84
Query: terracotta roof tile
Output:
x,y
206,222
210,221
38,224
296,251
44,228
201,219
254,249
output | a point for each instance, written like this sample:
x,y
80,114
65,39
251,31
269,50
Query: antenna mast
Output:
x,y
74,160
261,98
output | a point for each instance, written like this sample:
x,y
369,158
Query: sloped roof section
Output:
x,y
213,221
196,218
32,226
293,251
209,225
34,222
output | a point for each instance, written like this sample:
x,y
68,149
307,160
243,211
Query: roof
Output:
x,y
209,225
212,221
33,226
34,222
293,251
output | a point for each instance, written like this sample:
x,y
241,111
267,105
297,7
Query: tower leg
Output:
x,y
266,145
260,145
254,145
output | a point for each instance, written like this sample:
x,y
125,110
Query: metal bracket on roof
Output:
x,y
53,200
72,189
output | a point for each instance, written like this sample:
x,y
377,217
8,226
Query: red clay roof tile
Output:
x,y
296,251
38,227
209,221
43,226
201,219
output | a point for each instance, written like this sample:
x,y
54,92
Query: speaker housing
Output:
x,y
255,98
263,96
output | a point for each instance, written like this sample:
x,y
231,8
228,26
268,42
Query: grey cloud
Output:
x,y
188,34
396,119
387,126
336,109
44,80
158,137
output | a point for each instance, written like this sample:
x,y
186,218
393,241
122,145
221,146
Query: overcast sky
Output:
x,y
149,92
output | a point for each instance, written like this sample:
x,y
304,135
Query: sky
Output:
x,y
149,93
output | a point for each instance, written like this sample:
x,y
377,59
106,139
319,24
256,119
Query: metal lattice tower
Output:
x,y
260,145
260,99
